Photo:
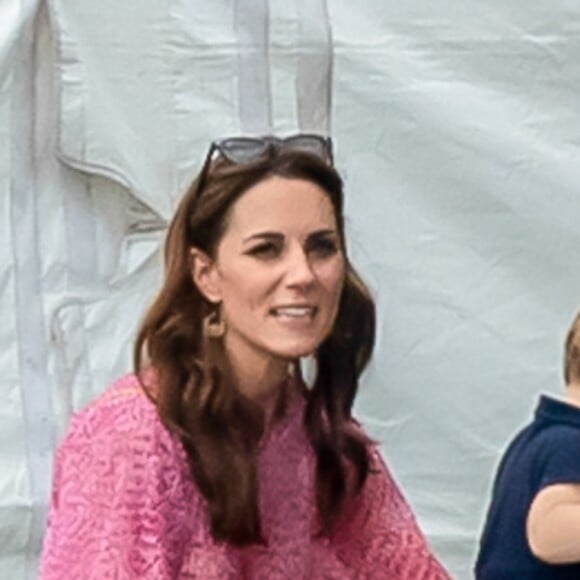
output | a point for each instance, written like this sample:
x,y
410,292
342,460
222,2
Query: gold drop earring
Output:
x,y
213,325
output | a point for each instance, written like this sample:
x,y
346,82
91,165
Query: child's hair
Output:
x,y
572,353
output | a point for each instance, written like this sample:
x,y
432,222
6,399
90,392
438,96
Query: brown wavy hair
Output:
x,y
194,389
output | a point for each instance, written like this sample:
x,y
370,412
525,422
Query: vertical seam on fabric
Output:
x,y
38,416
251,22
314,99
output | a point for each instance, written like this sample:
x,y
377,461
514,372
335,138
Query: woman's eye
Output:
x,y
266,250
324,247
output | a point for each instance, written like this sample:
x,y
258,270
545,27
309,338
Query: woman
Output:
x,y
230,467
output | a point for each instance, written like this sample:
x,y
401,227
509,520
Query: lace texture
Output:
x,y
124,507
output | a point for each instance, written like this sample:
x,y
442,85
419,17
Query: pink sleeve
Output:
x,y
110,516
381,538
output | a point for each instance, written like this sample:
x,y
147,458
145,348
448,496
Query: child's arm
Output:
x,y
553,524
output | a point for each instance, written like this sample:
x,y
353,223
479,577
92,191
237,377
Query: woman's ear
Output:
x,y
205,275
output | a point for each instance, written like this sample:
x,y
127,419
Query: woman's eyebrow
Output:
x,y
321,234
264,235
277,236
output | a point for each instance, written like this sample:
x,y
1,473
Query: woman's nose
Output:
x,y
299,270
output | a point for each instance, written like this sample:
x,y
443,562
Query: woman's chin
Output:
x,y
292,352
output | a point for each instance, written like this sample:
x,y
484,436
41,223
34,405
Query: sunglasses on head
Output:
x,y
241,150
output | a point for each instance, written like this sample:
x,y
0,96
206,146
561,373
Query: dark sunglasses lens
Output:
x,y
242,150
309,144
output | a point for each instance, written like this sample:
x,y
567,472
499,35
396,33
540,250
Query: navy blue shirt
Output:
x,y
546,452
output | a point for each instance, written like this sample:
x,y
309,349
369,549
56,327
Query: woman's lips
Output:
x,y
295,317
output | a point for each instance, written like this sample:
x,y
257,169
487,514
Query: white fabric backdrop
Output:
x,y
456,129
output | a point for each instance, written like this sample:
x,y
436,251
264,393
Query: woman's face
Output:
x,y
279,270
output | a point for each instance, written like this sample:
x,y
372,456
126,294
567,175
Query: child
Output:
x,y
533,524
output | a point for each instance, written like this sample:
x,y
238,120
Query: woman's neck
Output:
x,y
261,379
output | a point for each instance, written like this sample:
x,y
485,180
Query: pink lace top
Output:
x,y
124,507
